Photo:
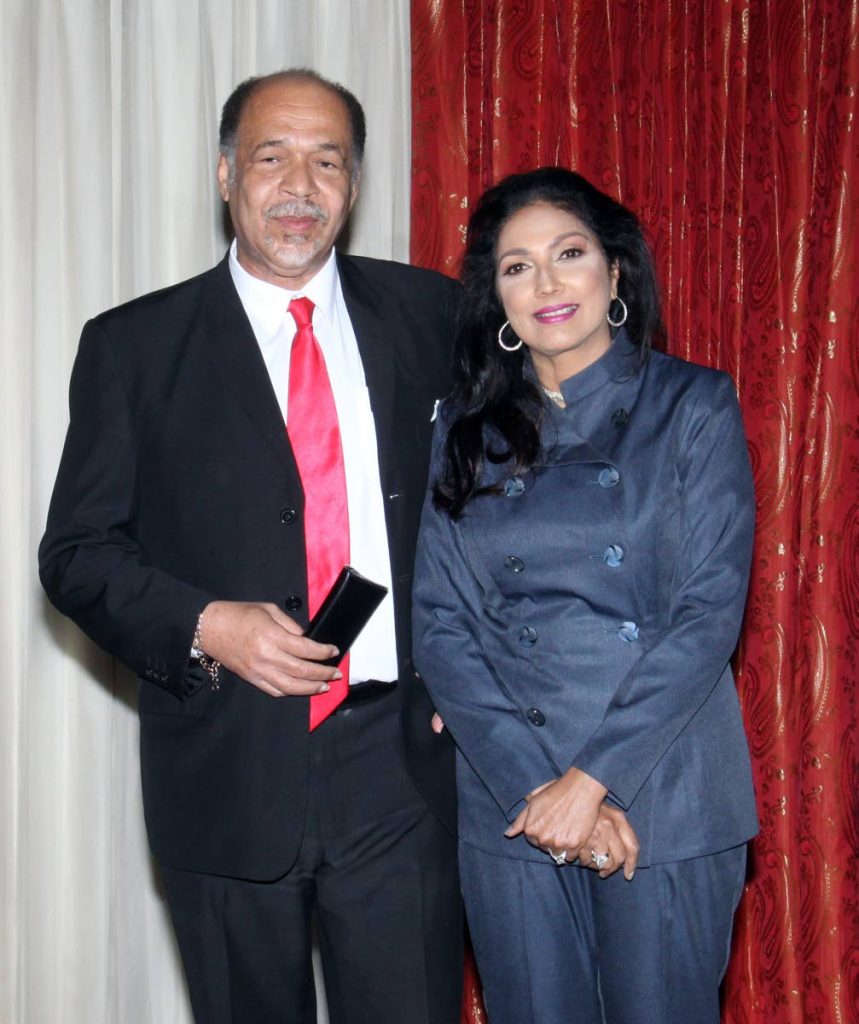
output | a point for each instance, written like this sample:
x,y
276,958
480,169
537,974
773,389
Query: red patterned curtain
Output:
x,y
732,128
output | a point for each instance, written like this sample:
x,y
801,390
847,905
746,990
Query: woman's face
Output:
x,y
556,286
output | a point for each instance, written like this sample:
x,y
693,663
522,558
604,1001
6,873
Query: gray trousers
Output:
x,y
562,946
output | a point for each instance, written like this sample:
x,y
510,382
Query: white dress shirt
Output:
x,y
374,653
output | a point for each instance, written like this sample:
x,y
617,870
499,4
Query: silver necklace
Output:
x,y
556,396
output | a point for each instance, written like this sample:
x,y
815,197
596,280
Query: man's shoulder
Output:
x,y
174,302
393,276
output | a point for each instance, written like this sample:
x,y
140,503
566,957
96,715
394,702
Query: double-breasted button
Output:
x,y
514,487
535,716
527,636
609,477
620,417
288,516
513,563
628,631
613,555
293,603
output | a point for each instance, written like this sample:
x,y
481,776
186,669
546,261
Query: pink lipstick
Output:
x,y
556,314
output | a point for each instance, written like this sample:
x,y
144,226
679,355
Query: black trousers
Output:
x,y
376,871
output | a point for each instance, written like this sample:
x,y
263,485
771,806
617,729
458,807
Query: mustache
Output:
x,y
297,208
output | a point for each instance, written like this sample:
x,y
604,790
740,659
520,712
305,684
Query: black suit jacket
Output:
x,y
178,486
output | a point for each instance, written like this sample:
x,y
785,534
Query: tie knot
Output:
x,y
302,311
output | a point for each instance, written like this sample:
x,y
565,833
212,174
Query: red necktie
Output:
x,y
314,434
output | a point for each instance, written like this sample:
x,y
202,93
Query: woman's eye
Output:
x,y
571,253
513,268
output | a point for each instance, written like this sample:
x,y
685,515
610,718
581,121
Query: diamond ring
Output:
x,y
600,859
559,858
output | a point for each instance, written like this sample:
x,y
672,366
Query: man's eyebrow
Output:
x,y
268,144
326,147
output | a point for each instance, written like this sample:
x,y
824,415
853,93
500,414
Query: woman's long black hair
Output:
x,y
491,396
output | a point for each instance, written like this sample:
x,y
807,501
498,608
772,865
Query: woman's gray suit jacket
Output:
x,y
586,615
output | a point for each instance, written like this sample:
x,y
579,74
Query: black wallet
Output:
x,y
345,611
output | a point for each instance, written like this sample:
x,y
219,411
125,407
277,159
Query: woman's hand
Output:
x,y
613,835
562,815
570,814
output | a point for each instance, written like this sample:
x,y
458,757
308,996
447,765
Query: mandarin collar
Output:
x,y
617,363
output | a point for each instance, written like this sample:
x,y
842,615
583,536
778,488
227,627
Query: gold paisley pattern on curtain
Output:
x,y
731,128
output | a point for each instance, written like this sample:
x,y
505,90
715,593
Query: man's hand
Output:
x,y
266,647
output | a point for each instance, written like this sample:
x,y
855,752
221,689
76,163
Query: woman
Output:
x,y
580,583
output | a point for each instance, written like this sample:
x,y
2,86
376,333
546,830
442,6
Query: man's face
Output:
x,y
292,189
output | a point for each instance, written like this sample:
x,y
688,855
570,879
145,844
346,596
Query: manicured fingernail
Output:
x,y
324,688
338,674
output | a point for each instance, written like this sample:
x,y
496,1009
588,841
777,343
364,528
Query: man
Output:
x,y
192,535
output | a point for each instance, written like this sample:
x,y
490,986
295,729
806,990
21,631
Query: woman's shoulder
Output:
x,y
700,400
680,376
451,410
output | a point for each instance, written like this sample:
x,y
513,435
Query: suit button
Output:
x,y
535,716
514,487
288,516
527,636
609,477
620,417
513,563
628,631
293,603
613,555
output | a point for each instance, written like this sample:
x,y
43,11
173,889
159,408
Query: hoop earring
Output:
x,y
508,348
622,321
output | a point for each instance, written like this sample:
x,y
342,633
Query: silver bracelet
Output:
x,y
209,665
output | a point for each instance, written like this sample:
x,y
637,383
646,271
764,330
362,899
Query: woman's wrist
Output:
x,y
581,780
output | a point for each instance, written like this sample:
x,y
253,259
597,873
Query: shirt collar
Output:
x,y
267,303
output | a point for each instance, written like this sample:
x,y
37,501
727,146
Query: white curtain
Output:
x,y
107,190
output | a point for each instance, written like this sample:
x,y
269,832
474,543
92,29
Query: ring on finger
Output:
x,y
599,860
559,858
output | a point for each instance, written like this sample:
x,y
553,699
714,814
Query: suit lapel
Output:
x,y
231,346
374,324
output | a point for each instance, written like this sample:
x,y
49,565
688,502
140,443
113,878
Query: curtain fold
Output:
x,y
107,190
730,127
